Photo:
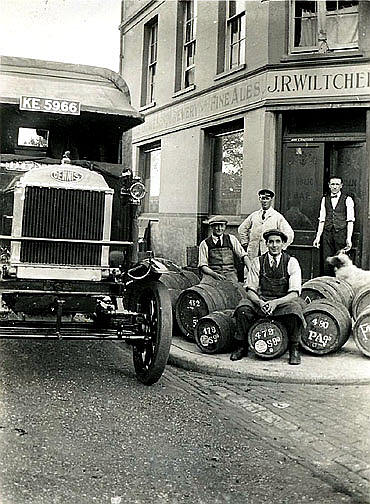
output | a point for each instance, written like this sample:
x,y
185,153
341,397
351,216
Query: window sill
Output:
x,y
229,72
30,150
183,91
150,216
232,220
316,56
147,106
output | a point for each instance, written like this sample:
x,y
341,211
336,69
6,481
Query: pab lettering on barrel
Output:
x,y
328,327
361,332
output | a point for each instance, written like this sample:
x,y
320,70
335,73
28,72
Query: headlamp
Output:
x,y
137,191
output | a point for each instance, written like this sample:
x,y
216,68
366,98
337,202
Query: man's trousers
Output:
x,y
247,315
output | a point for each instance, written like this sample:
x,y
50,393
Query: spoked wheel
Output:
x,y
150,356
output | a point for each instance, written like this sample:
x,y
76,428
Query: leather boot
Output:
x,y
294,355
238,353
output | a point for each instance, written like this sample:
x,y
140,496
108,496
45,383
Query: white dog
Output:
x,y
346,270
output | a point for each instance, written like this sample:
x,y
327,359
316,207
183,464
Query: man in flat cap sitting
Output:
x,y
252,228
219,252
273,288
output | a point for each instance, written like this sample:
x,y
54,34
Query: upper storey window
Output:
x,y
231,35
323,26
189,43
149,62
235,28
186,44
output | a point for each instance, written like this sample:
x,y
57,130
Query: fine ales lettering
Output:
x,y
52,105
271,85
306,82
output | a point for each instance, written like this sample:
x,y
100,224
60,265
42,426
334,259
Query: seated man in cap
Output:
x,y
252,228
274,284
219,252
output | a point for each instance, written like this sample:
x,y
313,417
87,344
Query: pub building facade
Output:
x,y
240,95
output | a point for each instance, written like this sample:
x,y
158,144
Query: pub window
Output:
x,y
231,35
186,44
323,26
227,168
151,174
31,137
235,33
150,50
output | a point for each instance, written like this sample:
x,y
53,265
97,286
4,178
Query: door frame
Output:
x,y
281,140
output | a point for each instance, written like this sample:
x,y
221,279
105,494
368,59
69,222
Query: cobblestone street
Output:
x,y
324,428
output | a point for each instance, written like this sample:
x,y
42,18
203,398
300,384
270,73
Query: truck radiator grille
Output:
x,y
62,213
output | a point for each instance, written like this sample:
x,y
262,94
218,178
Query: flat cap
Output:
x,y
217,219
266,192
275,232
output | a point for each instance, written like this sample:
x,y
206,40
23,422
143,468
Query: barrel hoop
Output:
x,y
215,332
328,327
361,301
268,338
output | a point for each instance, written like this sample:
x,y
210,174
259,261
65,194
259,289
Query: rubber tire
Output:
x,y
154,296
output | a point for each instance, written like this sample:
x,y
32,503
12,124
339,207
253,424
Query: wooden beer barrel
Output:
x,y
200,300
328,326
215,332
327,287
176,282
361,301
361,332
268,338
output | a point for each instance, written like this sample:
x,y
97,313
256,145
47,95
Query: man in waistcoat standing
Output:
x,y
336,220
273,288
219,252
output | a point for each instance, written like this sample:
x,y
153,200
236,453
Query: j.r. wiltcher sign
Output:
x,y
306,83
339,83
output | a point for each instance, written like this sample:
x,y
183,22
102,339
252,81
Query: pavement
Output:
x,y
346,366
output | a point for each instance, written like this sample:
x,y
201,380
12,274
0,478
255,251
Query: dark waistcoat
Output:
x,y
336,218
220,258
274,283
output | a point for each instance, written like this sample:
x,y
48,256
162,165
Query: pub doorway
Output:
x,y
305,172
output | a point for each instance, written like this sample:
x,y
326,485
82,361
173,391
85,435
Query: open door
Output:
x,y
302,178
348,161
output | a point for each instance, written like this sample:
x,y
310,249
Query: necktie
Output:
x,y
263,214
334,196
218,243
274,263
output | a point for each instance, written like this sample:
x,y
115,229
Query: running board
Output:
x,y
68,333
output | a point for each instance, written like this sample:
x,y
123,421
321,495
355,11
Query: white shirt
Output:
x,y
252,228
203,249
294,272
350,206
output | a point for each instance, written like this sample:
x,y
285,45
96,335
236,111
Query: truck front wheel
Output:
x,y
150,356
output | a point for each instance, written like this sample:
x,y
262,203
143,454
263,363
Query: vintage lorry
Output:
x,y
68,214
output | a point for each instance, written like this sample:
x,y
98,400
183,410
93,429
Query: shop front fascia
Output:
x,y
262,100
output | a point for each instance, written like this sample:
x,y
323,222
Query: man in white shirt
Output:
x,y
219,252
336,220
252,228
274,284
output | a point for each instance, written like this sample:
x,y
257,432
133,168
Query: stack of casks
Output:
x,y
361,316
177,279
204,314
329,303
